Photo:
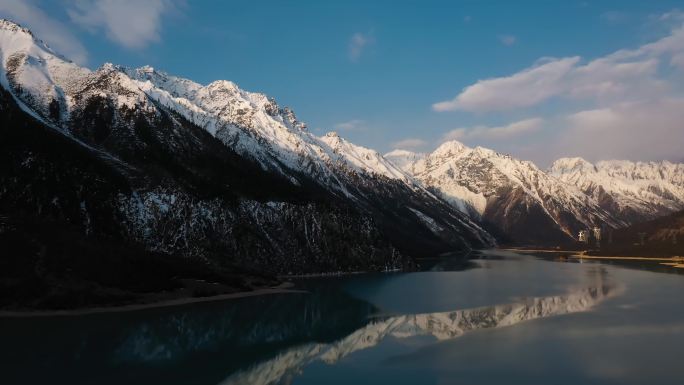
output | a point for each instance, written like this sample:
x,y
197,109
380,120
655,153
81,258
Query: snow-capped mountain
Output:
x,y
53,88
184,147
251,123
515,197
210,172
634,191
256,126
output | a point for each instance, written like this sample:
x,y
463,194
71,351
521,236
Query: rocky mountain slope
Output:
x,y
515,199
209,176
256,127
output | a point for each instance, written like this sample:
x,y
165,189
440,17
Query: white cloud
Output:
x,y
495,133
523,89
350,125
674,14
508,39
357,44
54,33
132,23
410,144
678,61
645,130
625,75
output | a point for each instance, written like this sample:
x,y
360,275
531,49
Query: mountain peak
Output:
x,y
146,69
11,26
224,85
564,165
451,147
15,38
110,67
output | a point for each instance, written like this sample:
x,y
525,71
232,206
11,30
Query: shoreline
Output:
x,y
537,250
677,262
283,288
336,274
678,265
287,287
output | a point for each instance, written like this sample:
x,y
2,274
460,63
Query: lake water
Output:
x,y
504,318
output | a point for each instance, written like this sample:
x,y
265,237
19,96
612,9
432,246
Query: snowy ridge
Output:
x,y
646,189
130,111
256,126
611,193
44,83
363,159
52,86
473,179
253,124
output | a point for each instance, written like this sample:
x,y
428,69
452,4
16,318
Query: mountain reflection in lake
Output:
x,y
517,319
443,326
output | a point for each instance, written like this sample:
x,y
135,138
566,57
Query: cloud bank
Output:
x,y
133,24
350,125
627,104
495,133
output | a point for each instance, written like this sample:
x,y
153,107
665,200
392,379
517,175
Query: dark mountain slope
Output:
x,y
70,236
661,237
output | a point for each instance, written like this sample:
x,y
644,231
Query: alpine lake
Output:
x,y
500,317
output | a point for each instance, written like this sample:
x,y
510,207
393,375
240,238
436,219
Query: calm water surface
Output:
x,y
504,318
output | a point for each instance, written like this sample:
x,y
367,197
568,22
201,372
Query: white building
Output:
x,y
583,236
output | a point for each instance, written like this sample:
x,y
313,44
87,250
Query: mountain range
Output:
x,y
124,181
120,181
522,203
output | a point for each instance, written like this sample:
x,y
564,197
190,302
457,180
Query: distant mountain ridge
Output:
x,y
635,191
518,200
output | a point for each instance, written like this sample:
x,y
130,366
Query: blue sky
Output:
x,y
376,71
